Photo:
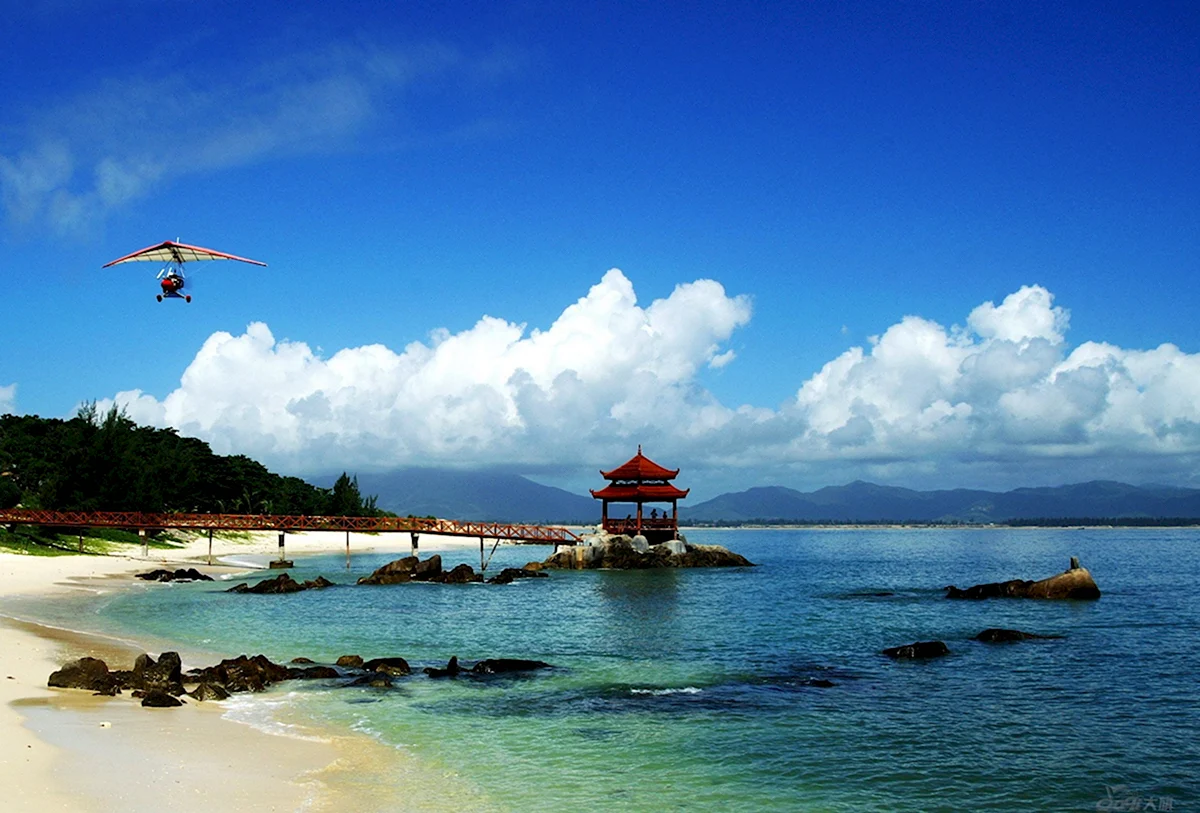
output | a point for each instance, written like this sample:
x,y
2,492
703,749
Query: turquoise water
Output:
x,y
690,690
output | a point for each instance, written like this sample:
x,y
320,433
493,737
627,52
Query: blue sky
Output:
x,y
820,197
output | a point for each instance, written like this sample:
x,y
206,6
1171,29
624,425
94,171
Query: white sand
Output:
x,y
100,754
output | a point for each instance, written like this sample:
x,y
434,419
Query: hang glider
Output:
x,y
173,255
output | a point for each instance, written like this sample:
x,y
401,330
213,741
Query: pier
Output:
x,y
143,523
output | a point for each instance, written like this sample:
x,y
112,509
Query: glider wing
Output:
x,y
171,252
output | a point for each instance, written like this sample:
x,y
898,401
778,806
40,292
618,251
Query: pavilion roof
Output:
x,y
640,492
640,467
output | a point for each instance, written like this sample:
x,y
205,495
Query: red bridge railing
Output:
x,y
137,520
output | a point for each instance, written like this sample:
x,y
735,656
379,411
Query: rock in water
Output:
x,y
500,666
996,635
283,583
921,650
1074,583
452,669
392,666
408,569
619,553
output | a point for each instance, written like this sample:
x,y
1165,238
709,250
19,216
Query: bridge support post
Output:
x,y
413,535
347,550
482,566
282,561
81,540
210,533
145,543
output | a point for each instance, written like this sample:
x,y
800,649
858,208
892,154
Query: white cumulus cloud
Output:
x,y
1000,401
495,393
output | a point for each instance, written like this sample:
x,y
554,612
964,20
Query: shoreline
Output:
x,y
68,750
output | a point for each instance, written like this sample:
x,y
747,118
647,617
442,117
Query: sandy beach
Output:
x,y
66,750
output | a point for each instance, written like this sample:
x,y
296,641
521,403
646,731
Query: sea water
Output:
x,y
708,689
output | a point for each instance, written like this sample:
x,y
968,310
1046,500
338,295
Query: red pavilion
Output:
x,y
640,480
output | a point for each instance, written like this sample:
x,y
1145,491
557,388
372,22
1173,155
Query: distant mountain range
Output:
x,y
867,502
473,495
501,497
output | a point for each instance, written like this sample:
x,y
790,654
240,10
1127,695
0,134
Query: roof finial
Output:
x,y
639,448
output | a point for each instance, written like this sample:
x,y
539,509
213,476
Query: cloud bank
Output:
x,y
1000,400
8,399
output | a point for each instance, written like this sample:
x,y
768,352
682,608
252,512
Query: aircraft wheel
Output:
x,y
159,297
187,298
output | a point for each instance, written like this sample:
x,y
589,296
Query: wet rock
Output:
x,y
392,666
501,666
242,674
313,673
283,583
820,683
1073,583
461,574
995,635
166,673
301,661
377,680
404,570
86,673
618,553
452,669
921,650
206,692
350,661
159,699
511,574
189,574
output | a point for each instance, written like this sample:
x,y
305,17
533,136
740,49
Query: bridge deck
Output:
x,y
136,520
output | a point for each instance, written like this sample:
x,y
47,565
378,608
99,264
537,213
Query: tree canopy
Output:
x,y
106,462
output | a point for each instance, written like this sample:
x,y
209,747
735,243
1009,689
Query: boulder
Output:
x,y
460,574
86,673
921,650
302,661
393,666
283,583
209,691
159,699
428,570
189,574
501,666
408,569
165,673
242,674
350,661
313,673
1074,583
377,680
619,553
452,669
511,574
995,635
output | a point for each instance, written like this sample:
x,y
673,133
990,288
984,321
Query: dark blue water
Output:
x,y
694,689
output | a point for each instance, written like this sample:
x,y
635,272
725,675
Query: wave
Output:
x,y
662,692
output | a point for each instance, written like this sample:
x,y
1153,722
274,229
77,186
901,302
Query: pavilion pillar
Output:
x,y
639,517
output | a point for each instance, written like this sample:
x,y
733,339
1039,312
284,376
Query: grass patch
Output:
x,y
34,540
